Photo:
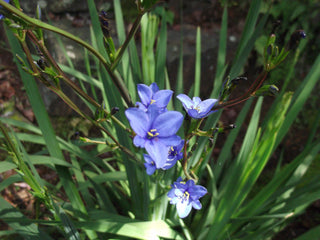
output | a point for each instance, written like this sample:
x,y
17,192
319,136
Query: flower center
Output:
x,y
152,101
172,152
196,108
185,196
152,133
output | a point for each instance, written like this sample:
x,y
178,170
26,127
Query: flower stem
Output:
x,y
249,93
185,161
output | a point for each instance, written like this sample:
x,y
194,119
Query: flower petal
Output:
x,y
206,105
196,100
154,87
139,121
162,98
147,158
149,164
158,152
139,141
169,163
141,106
190,183
153,112
186,101
183,208
145,94
170,141
197,191
150,169
196,205
194,113
168,123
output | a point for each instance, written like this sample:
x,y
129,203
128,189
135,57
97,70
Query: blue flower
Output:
x,y
149,164
195,107
1,16
152,95
185,195
155,131
173,155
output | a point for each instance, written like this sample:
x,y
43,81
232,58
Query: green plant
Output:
x,y
111,196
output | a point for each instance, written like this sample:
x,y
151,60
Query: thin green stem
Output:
x,y
185,161
249,93
127,41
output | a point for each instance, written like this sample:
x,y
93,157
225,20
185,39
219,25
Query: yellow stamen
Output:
x,y
152,134
196,108
187,195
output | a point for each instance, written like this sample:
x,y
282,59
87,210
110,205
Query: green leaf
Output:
x,y
70,231
197,77
10,180
313,233
27,231
105,222
161,51
6,166
221,68
147,3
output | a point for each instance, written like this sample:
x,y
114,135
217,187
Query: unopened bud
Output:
x,y
295,38
104,23
114,110
238,79
41,64
76,136
267,90
273,89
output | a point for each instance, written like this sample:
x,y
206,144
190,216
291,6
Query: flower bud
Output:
x,y
104,23
41,64
295,38
114,110
267,90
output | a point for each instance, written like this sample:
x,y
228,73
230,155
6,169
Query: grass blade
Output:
x,y
197,76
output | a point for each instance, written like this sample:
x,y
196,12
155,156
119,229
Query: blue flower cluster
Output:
x,y
156,130
156,127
